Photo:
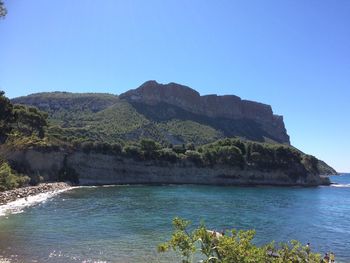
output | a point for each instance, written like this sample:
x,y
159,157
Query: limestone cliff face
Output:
x,y
96,168
214,106
160,112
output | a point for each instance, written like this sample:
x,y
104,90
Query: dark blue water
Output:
x,y
125,223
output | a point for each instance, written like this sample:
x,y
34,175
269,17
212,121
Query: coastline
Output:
x,y
100,168
14,201
14,195
24,192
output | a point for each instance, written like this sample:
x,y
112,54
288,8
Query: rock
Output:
x,y
255,120
12,195
227,106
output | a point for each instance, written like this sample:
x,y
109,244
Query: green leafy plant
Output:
x,y
231,247
10,179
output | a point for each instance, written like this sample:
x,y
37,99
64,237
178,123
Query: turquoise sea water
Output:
x,y
125,223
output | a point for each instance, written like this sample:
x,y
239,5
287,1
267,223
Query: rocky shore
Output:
x,y
4,260
12,195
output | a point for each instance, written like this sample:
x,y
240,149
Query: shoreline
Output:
x,y
10,196
14,195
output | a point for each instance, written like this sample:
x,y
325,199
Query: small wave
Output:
x,y
110,185
17,206
87,186
102,185
341,185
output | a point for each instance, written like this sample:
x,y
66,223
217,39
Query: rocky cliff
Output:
x,y
170,113
97,168
212,106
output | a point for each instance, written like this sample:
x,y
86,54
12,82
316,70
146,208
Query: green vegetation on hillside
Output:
x,y
69,109
106,118
117,128
233,152
19,126
120,118
231,247
6,116
187,131
19,121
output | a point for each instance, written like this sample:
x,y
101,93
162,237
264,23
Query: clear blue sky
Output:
x,y
294,55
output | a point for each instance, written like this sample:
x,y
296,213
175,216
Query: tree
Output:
x,y
231,247
230,155
190,146
30,120
3,10
167,154
10,179
149,148
285,156
6,116
310,163
179,149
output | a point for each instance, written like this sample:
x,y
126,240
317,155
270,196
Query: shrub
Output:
x,y
230,155
179,149
310,163
168,154
261,156
149,148
10,179
285,156
232,247
190,146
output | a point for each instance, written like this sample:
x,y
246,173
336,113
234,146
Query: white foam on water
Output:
x,y
87,186
17,206
103,185
341,185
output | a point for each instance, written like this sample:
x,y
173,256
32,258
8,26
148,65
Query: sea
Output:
x,y
125,223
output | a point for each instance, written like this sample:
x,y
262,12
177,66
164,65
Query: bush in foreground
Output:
x,y
234,246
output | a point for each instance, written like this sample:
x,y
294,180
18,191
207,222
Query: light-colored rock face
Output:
x,y
106,169
94,168
228,106
37,163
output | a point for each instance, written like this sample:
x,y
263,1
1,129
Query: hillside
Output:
x,y
170,113
154,134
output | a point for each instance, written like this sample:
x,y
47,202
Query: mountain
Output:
x,y
97,138
168,113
